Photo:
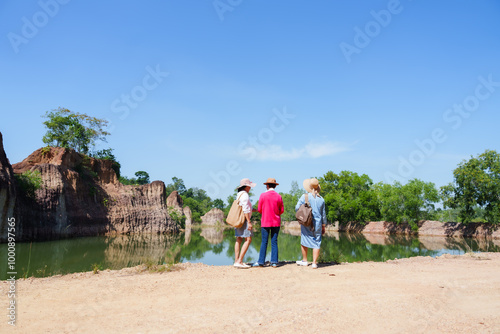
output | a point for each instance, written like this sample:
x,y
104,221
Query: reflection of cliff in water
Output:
x,y
131,250
187,235
376,239
213,235
463,244
294,230
430,243
388,239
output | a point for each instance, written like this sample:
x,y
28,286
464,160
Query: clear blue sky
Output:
x,y
193,89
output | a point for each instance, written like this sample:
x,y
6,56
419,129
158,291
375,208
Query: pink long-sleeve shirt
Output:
x,y
271,208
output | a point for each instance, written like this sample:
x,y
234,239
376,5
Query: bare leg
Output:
x,y
244,249
237,245
315,254
304,253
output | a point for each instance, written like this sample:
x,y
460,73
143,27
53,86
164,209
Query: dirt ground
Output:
x,y
448,294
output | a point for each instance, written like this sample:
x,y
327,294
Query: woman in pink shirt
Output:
x,y
271,208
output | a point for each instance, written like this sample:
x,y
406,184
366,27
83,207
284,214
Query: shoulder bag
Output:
x,y
236,217
304,214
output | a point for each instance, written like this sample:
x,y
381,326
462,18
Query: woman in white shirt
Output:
x,y
245,231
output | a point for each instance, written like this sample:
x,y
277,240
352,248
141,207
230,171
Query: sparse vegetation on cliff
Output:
x,y
29,182
141,178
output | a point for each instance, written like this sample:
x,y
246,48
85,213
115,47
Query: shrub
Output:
x,y
29,182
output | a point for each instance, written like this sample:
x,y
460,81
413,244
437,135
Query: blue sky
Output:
x,y
215,91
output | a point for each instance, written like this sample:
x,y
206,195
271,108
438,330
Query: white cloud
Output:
x,y
317,150
277,153
312,150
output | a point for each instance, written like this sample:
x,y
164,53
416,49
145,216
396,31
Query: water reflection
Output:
x,y
215,246
187,235
214,235
130,250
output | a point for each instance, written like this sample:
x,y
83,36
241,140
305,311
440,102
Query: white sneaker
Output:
x,y
302,263
314,266
241,265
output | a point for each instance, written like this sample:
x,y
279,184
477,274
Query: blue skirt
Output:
x,y
309,238
243,231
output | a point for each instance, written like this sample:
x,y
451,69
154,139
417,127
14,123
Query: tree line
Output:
x,y
474,194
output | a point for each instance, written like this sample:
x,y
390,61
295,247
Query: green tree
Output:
x,y
409,203
128,181
142,177
218,203
349,197
197,199
197,194
176,185
476,186
290,199
73,130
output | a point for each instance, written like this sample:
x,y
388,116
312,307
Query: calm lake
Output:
x,y
216,247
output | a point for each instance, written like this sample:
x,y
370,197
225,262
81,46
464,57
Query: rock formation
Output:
x,y
213,217
174,201
189,217
80,196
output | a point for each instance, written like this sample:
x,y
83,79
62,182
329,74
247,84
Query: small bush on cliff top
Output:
x,y
29,182
141,178
45,151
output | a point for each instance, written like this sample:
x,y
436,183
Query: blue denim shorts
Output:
x,y
243,231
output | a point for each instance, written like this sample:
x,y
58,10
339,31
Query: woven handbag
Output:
x,y
236,217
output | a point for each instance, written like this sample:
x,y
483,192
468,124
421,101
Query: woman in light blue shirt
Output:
x,y
312,238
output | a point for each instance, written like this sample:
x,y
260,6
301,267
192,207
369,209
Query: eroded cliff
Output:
x,y
80,196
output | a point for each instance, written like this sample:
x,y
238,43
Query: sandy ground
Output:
x,y
449,294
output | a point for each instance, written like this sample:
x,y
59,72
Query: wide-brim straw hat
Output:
x,y
247,183
310,184
271,181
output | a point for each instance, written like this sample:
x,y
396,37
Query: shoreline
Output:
x,y
428,228
447,294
